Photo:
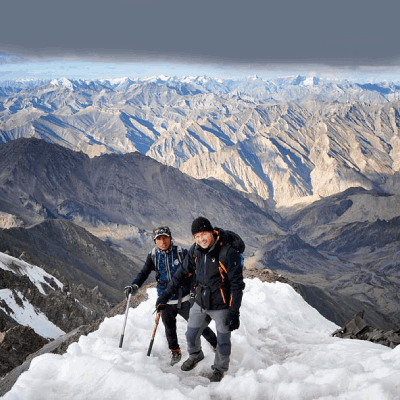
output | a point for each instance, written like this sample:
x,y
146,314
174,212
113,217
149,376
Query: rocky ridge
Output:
x,y
39,308
88,265
118,197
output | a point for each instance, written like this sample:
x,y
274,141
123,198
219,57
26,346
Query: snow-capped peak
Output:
x,y
311,81
62,82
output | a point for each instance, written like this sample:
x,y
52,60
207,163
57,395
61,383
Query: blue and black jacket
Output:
x,y
165,264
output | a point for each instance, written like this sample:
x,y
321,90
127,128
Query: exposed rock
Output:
x,y
59,307
268,275
357,328
16,344
9,221
6,321
79,256
24,256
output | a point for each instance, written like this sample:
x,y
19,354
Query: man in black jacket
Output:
x,y
219,292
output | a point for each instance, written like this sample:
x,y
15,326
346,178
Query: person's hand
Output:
x,y
161,303
160,307
232,320
131,290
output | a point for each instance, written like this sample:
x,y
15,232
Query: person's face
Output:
x,y
163,242
204,239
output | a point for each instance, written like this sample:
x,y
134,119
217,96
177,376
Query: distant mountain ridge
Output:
x,y
282,142
70,251
247,85
126,195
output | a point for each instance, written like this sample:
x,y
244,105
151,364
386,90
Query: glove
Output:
x,y
161,303
232,320
131,290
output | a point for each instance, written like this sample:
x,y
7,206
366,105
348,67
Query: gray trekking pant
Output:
x,y
198,321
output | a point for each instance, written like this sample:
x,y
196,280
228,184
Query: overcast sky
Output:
x,y
243,34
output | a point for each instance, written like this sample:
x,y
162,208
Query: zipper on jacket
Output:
x,y
204,269
167,267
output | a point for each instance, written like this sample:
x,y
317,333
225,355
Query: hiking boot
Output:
x,y
176,356
190,363
216,376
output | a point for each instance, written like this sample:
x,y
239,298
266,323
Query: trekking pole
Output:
x,y
126,317
154,333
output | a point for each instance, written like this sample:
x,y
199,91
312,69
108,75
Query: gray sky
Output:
x,y
334,32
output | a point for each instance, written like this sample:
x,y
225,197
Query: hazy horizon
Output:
x,y
14,67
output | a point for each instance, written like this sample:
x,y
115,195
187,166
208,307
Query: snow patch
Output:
x,y
28,315
36,274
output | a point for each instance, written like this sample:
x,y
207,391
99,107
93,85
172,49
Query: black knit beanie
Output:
x,y
201,224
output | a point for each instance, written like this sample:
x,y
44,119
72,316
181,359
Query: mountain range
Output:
x,y
282,142
91,219
305,170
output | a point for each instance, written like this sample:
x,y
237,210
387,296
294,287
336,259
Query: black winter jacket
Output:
x,y
215,289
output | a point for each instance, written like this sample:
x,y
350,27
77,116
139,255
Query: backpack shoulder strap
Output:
x,y
153,257
180,254
222,258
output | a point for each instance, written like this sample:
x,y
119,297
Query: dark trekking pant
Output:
x,y
168,317
198,320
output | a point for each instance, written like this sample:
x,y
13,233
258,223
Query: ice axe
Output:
x,y
126,317
154,333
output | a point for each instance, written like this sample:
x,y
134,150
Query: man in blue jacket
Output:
x,y
219,291
165,259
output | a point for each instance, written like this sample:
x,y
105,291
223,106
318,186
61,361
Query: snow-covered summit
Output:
x,y
208,84
62,82
283,350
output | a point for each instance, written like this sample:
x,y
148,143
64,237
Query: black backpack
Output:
x,y
235,241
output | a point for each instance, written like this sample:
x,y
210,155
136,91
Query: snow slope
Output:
x,y
282,350
26,314
35,274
